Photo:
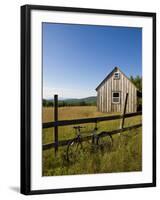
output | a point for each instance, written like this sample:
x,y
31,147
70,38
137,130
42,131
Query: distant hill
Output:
x,y
88,101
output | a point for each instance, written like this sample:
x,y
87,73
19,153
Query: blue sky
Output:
x,y
76,58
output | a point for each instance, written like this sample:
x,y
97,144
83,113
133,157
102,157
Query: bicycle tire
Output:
x,y
73,150
105,142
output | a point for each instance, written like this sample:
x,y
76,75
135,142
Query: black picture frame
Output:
x,y
26,98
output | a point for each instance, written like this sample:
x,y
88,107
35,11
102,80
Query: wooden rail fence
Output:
x,y
58,123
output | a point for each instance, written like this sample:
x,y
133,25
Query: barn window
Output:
x,y
116,75
115,97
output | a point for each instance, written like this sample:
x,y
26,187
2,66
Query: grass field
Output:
x,y
125,156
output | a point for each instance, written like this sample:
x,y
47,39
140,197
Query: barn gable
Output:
x,y
112,90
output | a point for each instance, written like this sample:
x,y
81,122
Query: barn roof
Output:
x,y
110,74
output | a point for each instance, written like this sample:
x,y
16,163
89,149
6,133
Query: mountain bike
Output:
x,y
99,140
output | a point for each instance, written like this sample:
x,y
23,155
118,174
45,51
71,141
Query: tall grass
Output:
x,y
125,156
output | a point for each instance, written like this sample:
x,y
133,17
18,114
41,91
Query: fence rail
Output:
x,y
88,120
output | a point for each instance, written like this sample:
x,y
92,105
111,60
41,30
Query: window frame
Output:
x,y
116,78
116,97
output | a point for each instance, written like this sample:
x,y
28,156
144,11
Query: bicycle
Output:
x,y
102,140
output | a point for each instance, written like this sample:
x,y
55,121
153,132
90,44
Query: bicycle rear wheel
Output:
x,y
105,141
73,150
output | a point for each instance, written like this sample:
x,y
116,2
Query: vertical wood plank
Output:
x,y
102,98
99,101
107,96
122,93
135,106
129,99
112,108
127,92
110,95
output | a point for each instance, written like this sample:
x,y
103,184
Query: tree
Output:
x,y
137,81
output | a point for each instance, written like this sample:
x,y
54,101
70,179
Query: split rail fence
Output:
x,y
56,123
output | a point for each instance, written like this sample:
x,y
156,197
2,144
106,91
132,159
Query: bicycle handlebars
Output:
x,y
78,127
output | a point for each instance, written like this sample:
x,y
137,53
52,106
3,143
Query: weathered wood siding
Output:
x,y
122,85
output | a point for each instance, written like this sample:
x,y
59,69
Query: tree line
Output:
x,y
61,103
137,81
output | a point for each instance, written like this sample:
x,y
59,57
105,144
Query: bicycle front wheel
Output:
x,y
73,150
105,141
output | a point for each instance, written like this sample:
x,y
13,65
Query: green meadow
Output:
x,y
125,155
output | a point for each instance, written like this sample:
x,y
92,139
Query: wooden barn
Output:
x,y
111,93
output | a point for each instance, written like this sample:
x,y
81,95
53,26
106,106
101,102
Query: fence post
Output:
x,y
124,112
56,119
